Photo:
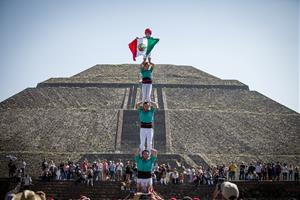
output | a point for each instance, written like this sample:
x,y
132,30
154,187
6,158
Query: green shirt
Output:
x,y
146,117
145,165
147,73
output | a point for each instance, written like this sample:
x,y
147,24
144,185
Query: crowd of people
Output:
x,y
90,172
103,170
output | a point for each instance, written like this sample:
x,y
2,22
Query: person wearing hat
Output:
x,y
146,117
145,165
148,33
228,191
30,195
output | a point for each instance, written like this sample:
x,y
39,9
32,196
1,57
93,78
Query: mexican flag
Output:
x,y
142,46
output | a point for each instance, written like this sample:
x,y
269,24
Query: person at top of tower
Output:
x,y
148,33
143,46
146,118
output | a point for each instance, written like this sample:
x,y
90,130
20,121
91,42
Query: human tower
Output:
x,y
145,155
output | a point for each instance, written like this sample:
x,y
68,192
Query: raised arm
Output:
x,y
154,152
152,65
135,152
138,104
141,66
154,104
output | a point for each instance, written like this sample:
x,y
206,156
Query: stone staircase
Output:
x,y
65,190
70,190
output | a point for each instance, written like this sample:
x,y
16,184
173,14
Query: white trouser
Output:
x,y
146,92
163,181
146,133
145,182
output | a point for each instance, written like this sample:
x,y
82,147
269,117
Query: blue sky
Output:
x,y
255,42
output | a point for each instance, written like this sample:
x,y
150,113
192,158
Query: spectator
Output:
x,y
175,176
67,171
100,168
90,175
23,167
154,178
61,170
19,175
105,170
12,193
84,166
285,172
291,168
128,171
95,170
157,171
82,197
209,176
11,168
181,178
53,170
264,171
296,173
270,171
277,171
227,190
44,165
163,175
232,171
119,170
27,182
112,170
258,168
30,195
251,169
242,171
190,175
72,168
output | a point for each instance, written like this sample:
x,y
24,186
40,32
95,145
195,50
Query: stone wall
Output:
x,y
58,130
224,100
235,134
64,97
163,74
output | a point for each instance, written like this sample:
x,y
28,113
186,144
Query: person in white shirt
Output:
x,y
23,166
258,168
285,171
27,181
